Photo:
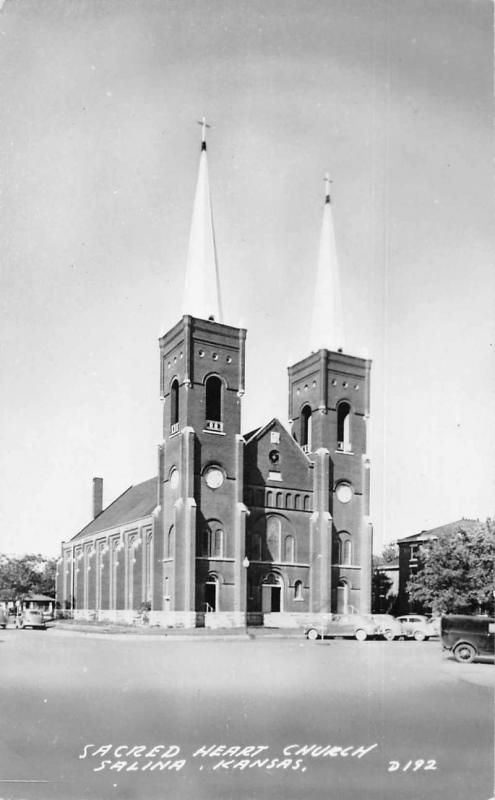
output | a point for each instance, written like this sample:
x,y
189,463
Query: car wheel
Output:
x,y
388,635
464,653
360,635
312,634
419,636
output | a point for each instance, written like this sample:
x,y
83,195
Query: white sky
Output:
x,y
98,161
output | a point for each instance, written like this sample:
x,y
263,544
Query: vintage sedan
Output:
x,y
356,626
29,618
416,626
388,626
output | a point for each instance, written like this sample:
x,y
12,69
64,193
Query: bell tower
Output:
x,y
201,454
329,408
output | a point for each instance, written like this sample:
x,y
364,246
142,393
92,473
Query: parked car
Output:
x,y
4,618
388,626
358,626
468,637
29,618
434,626
415,626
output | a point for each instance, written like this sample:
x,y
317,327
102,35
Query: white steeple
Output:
x,y
327,327
202,284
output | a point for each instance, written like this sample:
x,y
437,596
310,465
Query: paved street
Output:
x,y
386,720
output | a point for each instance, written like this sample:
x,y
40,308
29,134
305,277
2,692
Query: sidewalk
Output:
x,y
173,634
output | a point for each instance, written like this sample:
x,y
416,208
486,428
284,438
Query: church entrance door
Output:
x,y
211,591
342,597
271,594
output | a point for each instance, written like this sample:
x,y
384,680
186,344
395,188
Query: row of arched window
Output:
x,y
267,498
274,548
211,542
272,544
213,401
343,427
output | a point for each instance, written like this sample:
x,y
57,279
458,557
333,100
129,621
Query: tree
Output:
x,y
380,588
25,575
382,600
389,554
456,572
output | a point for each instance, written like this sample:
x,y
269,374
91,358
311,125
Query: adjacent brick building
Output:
x,y
410,552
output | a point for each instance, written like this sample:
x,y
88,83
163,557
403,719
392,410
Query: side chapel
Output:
x,y
269,527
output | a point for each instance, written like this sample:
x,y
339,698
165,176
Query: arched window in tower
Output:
x,y
214,404
344,427
345,549
306,426
169,544
298,590
174,406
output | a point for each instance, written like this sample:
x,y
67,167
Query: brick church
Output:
x,y
263,527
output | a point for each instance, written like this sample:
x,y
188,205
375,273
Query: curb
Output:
x,y
176,637
139,637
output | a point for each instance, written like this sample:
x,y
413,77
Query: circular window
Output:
x,y
214,477
174,478
274,456
344,492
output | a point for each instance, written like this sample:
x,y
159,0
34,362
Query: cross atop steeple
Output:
x,y
202,281
327,187
327,328
204,126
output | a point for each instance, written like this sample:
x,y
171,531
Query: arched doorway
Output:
x,y
211,593
271,594
342,596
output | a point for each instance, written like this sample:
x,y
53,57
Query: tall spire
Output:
x,y
327,328
202,284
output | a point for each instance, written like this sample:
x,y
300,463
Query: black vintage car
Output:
x,y
467,637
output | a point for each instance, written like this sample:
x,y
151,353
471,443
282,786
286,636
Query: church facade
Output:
x,y
270,527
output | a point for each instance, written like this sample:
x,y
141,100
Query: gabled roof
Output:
x,y
259,433
248,436
39,597
449,528
135,503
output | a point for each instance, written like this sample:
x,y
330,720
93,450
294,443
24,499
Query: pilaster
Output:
x,y
321,536
241,512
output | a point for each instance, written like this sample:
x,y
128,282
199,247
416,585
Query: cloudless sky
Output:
x,y
99,152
